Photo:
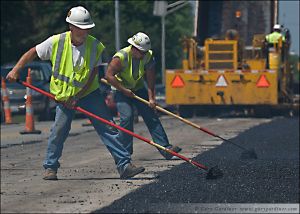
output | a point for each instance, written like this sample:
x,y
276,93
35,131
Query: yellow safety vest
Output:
x,y
274,37
125,76
67,81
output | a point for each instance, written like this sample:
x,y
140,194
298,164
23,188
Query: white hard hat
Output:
x,y
277,27
80,17
141,41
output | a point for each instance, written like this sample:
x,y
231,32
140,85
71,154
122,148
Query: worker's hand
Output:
x,y
128,92
71,102
13,75
152,103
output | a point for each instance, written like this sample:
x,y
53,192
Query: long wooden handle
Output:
x,y
77,108
168,112
182,119
161,109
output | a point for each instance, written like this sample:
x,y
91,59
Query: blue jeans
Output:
x,y
94,103
125,108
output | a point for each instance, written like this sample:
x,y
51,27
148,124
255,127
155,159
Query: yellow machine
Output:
x,y
224,72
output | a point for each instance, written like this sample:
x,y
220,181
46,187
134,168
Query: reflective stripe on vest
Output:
x,y
93,56
67,80
60,49
125,54
91,65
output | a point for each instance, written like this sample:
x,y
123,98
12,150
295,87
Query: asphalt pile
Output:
x,y
272,178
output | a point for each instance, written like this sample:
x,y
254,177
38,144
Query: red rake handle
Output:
x,y
119,127
139,137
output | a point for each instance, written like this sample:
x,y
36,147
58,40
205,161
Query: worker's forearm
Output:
x,y
13,75
151,94
112,80
26,58
114,68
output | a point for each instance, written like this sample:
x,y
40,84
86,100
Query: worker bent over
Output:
x,y
75,56
126,73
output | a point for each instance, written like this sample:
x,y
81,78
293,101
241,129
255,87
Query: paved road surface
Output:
x,y
273,178
89,182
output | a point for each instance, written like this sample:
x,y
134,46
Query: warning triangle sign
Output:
x,y
263,82
221,82
177,82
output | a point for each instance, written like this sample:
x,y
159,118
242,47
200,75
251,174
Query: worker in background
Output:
x,y
75,56
126,73
272,40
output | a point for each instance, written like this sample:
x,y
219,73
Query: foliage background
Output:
x,y
27,23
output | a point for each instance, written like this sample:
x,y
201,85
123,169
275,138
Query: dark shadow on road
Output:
x,y
107,178
274,178
21,144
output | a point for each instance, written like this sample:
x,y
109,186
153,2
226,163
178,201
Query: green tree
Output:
x,y
27,23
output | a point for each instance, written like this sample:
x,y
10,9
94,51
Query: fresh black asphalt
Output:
x,y
272,178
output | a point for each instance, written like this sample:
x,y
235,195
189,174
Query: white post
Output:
x,y
117,24
161,9
276,8
196,18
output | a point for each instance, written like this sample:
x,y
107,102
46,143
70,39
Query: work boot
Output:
x,y
50,174
169,156
130,171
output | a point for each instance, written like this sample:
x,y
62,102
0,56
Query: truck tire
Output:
x,y
263,111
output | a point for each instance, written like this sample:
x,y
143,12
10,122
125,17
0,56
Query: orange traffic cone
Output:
x,y
29,120
5,99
